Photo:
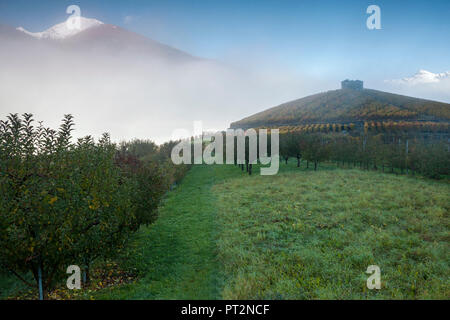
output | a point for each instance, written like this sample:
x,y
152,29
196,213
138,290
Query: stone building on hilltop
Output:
x,y
352,84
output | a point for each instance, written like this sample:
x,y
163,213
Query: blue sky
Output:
x,y
311,37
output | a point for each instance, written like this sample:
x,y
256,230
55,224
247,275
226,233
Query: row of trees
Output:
x,y
148,152
372,127
65,203
408,153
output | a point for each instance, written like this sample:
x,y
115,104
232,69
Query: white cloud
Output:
x,y
422,77
424,84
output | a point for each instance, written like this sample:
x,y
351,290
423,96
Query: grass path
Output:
x,y
177,255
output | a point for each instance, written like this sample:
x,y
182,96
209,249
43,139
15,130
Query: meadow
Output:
x,y
312,235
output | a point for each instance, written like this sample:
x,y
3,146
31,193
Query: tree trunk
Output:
x,y
307,164
40,283
250,169
246,165
315,165
86,276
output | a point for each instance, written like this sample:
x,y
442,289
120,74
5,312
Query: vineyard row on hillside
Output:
x,y
369,126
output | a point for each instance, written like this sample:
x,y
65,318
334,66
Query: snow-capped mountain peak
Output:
x,y
64,30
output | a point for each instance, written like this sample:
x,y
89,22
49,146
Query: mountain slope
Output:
x,y
10,33
94,39
113,40
347,105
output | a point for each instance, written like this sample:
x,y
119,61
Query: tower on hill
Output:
x,y
352,84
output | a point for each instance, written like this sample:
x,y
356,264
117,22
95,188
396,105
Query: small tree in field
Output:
x,y
316,148
289,146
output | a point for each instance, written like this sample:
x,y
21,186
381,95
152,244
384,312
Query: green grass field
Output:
x,y
222,234
312,235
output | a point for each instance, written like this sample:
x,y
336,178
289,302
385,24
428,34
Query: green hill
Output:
x,y
348,106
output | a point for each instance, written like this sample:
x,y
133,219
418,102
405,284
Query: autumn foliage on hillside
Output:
x,y
371,126
347,106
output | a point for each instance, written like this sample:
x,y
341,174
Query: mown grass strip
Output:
x,y
176,256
